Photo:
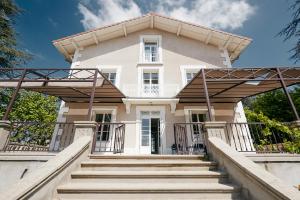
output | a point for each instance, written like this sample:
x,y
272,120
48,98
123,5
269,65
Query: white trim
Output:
x,y
107,109
200,109
158,38
163,137
117,68
160,70
151,101
185,68
224,54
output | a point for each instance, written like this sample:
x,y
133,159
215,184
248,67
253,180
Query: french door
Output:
x,y
150,132
197,134
104,133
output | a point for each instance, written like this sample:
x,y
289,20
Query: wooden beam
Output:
x,y
208,37
95,38
75,44
227,42
236,48
152,21
124,30
65,51
179,29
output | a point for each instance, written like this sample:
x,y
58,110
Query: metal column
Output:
x,y
14,96
287,94
89,116
206,95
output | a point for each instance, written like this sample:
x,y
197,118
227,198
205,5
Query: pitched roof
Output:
x,y
235,44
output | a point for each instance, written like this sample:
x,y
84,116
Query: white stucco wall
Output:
x,y
15,165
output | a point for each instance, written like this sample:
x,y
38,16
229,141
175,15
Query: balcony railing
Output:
x,y
259,138
189,138
39,136
109,137
249,137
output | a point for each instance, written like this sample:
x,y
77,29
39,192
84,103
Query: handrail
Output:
x,y
44,180
259,183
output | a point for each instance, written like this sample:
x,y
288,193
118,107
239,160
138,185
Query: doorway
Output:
x,y
150,132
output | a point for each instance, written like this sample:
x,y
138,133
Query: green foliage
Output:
x,y
34,115
275,105
289,135
10,56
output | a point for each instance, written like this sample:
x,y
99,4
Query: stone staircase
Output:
x,y
148,177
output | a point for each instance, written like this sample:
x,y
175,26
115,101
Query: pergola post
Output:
x,y
14,96
206,95
287,94
89,116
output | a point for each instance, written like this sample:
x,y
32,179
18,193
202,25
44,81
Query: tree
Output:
x,y
10,55
34,115
292,30
275,105
29,107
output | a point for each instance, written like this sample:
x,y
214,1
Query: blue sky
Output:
x,y
44,21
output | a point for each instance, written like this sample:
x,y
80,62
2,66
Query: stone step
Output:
x,y
149,157
148,191
149,176
123,165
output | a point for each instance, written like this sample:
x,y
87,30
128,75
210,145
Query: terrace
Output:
x,y
209,86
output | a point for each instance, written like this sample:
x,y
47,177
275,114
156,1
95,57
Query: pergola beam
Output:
x,y
206,95
287,94
89,116
14,96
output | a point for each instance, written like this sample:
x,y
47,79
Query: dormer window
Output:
x,y
150,49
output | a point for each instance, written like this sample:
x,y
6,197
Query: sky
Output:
x,y
46,20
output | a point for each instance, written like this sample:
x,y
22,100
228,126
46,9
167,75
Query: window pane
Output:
x,y
154,81
154,76
146,76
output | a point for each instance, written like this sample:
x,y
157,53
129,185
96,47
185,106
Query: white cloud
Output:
x,y
220,14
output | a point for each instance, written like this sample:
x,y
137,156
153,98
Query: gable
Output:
x,y
233,43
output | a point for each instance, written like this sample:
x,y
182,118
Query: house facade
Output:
x,y
150,59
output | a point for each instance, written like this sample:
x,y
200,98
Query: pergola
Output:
x,y
70,85
210,85
231,85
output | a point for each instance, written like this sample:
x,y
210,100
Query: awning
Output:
x,y
70,85
231,85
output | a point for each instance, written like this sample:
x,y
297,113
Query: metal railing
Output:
x,y
189,138
259,138
109,137
39,136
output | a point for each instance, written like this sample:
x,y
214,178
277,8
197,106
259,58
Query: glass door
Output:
x,y
197,131
150,132
104,134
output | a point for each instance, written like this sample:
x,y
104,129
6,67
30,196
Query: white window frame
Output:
x,y
112,68
154,38
160,71
187,68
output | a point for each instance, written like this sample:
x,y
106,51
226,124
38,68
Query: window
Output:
x,y
196,117
150,83
190,76
188,72
111,72
150,49
103,133
111,76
